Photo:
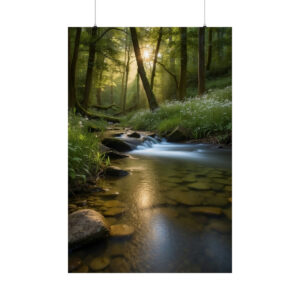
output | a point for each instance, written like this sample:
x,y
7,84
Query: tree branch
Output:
x,y
106,31
169,72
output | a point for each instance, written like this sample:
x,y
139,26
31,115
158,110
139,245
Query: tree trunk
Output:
x,y
155,57
90,67
123,74
137,88
139,60
201,61
183,62
98,95
111,94
72,67
209,55
126,79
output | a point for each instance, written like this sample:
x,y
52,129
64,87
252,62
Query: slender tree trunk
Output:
x,y
209,55
123,74
99,90
111,94
90,67
72,67
201,61
137,88
126,79
155,57
98,95
150,96
183,62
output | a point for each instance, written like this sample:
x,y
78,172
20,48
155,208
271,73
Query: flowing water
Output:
x,y
166,182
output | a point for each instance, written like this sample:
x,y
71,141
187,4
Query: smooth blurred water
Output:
x,y
161,187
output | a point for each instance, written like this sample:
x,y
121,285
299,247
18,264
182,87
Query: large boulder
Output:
x,y
179,134
117,144
86,226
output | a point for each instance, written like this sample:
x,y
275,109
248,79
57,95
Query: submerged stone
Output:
x,y
82,269
199,186
111,221
113,203
119,265
74,263
206,210
190,201
228,213
121,230
99,263
115,155
114,211
110,195
219,226
115,172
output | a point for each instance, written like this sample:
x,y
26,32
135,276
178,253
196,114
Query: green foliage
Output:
x,y
84,158
202,117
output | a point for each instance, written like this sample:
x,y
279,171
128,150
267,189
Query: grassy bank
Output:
x,y
84,158
208,116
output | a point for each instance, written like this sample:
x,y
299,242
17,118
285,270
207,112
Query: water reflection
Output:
x,y
158,193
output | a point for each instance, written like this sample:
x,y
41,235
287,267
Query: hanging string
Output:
x,y
204,15
95,13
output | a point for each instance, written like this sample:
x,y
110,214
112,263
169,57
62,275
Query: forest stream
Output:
x,y
160,198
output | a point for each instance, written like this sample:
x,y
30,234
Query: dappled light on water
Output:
x,y
165,182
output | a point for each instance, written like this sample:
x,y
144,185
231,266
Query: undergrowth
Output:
x,y
84,159
208,116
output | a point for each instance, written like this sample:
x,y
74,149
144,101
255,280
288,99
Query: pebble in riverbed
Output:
x,y
109,195
219,226
74,263
99,263
199,186
228,213
113,203
111,221
114,211
119,265
82,269
121,230
206,210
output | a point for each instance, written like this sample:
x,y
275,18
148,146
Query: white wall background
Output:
x,y
33,160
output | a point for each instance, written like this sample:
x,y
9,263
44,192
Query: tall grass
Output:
x,y
202,117
84,159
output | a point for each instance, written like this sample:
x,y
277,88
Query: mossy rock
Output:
x,y
117,144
